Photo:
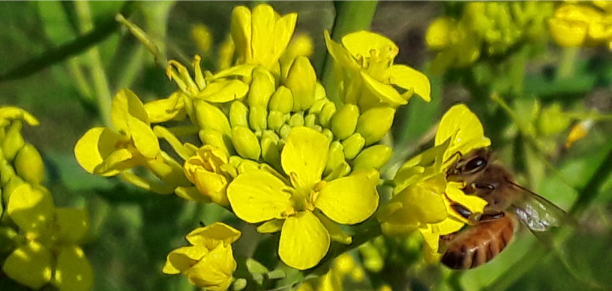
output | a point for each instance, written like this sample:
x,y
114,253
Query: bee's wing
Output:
x,y
538,213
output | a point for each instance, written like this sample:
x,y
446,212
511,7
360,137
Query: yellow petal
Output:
x,y
71,224
360,43
407,77
474,203
143,136
304,241
223,91
258,196
464,129
183,258
30,208
29,265
73,271
241,32
94,146
126,103
305,154
335,232
385,92
208,235
340,54
348,200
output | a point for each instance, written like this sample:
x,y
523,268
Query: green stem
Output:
x,y
59,54
101,87
568,63
351,16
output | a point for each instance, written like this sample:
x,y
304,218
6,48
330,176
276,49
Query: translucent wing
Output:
x,y
538,213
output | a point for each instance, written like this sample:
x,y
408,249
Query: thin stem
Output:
x,y
101,87
568,63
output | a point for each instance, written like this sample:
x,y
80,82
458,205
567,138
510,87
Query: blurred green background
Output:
x,y
53,68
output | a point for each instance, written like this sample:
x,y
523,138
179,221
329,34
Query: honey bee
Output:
x,y
493,229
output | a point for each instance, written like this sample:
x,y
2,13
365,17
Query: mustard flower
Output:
x,y
422,195
368,76
107,152
261,36
210,171
49,253
209,262
293,203
576,25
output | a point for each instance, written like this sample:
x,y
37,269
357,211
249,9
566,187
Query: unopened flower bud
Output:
x,y
374,123
276,119
327,112
258,118
7,172
216,139
13,141
310,120
262,88
282,100
211,117
238,114
328,134
344,122
297,119
353,145
302,81
10,186
335,157
246,143
270,151
284,131
553,120
29,164
375,157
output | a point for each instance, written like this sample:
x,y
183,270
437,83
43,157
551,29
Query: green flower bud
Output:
x,y
238,114
216,139
317,106
374,123
13,141
344,122
320,92
6,172
297,119
302,81
276,119
284,131
328,111
282,100
375,157
262,88
10,187
258,118
29,164
335,157
310,120
271,135
327,133
353,145
211,117
553,120
270,151
246,143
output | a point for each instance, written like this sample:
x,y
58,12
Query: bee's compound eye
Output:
x,y
475,164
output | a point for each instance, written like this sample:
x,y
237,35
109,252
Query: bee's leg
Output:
x,y
488,216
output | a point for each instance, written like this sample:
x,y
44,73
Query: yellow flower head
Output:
x,y
210,170
422,194
209,262
261,36
50,253
368,76
580,25
295,203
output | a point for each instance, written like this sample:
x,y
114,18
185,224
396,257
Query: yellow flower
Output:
x,y
580,25
422,195
210,170
51,246
209,263
261,36
369,77
293,204
106,152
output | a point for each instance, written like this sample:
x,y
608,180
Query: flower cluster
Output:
x,y
579,24
492,27
208,263
41,240
422,195
274,149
